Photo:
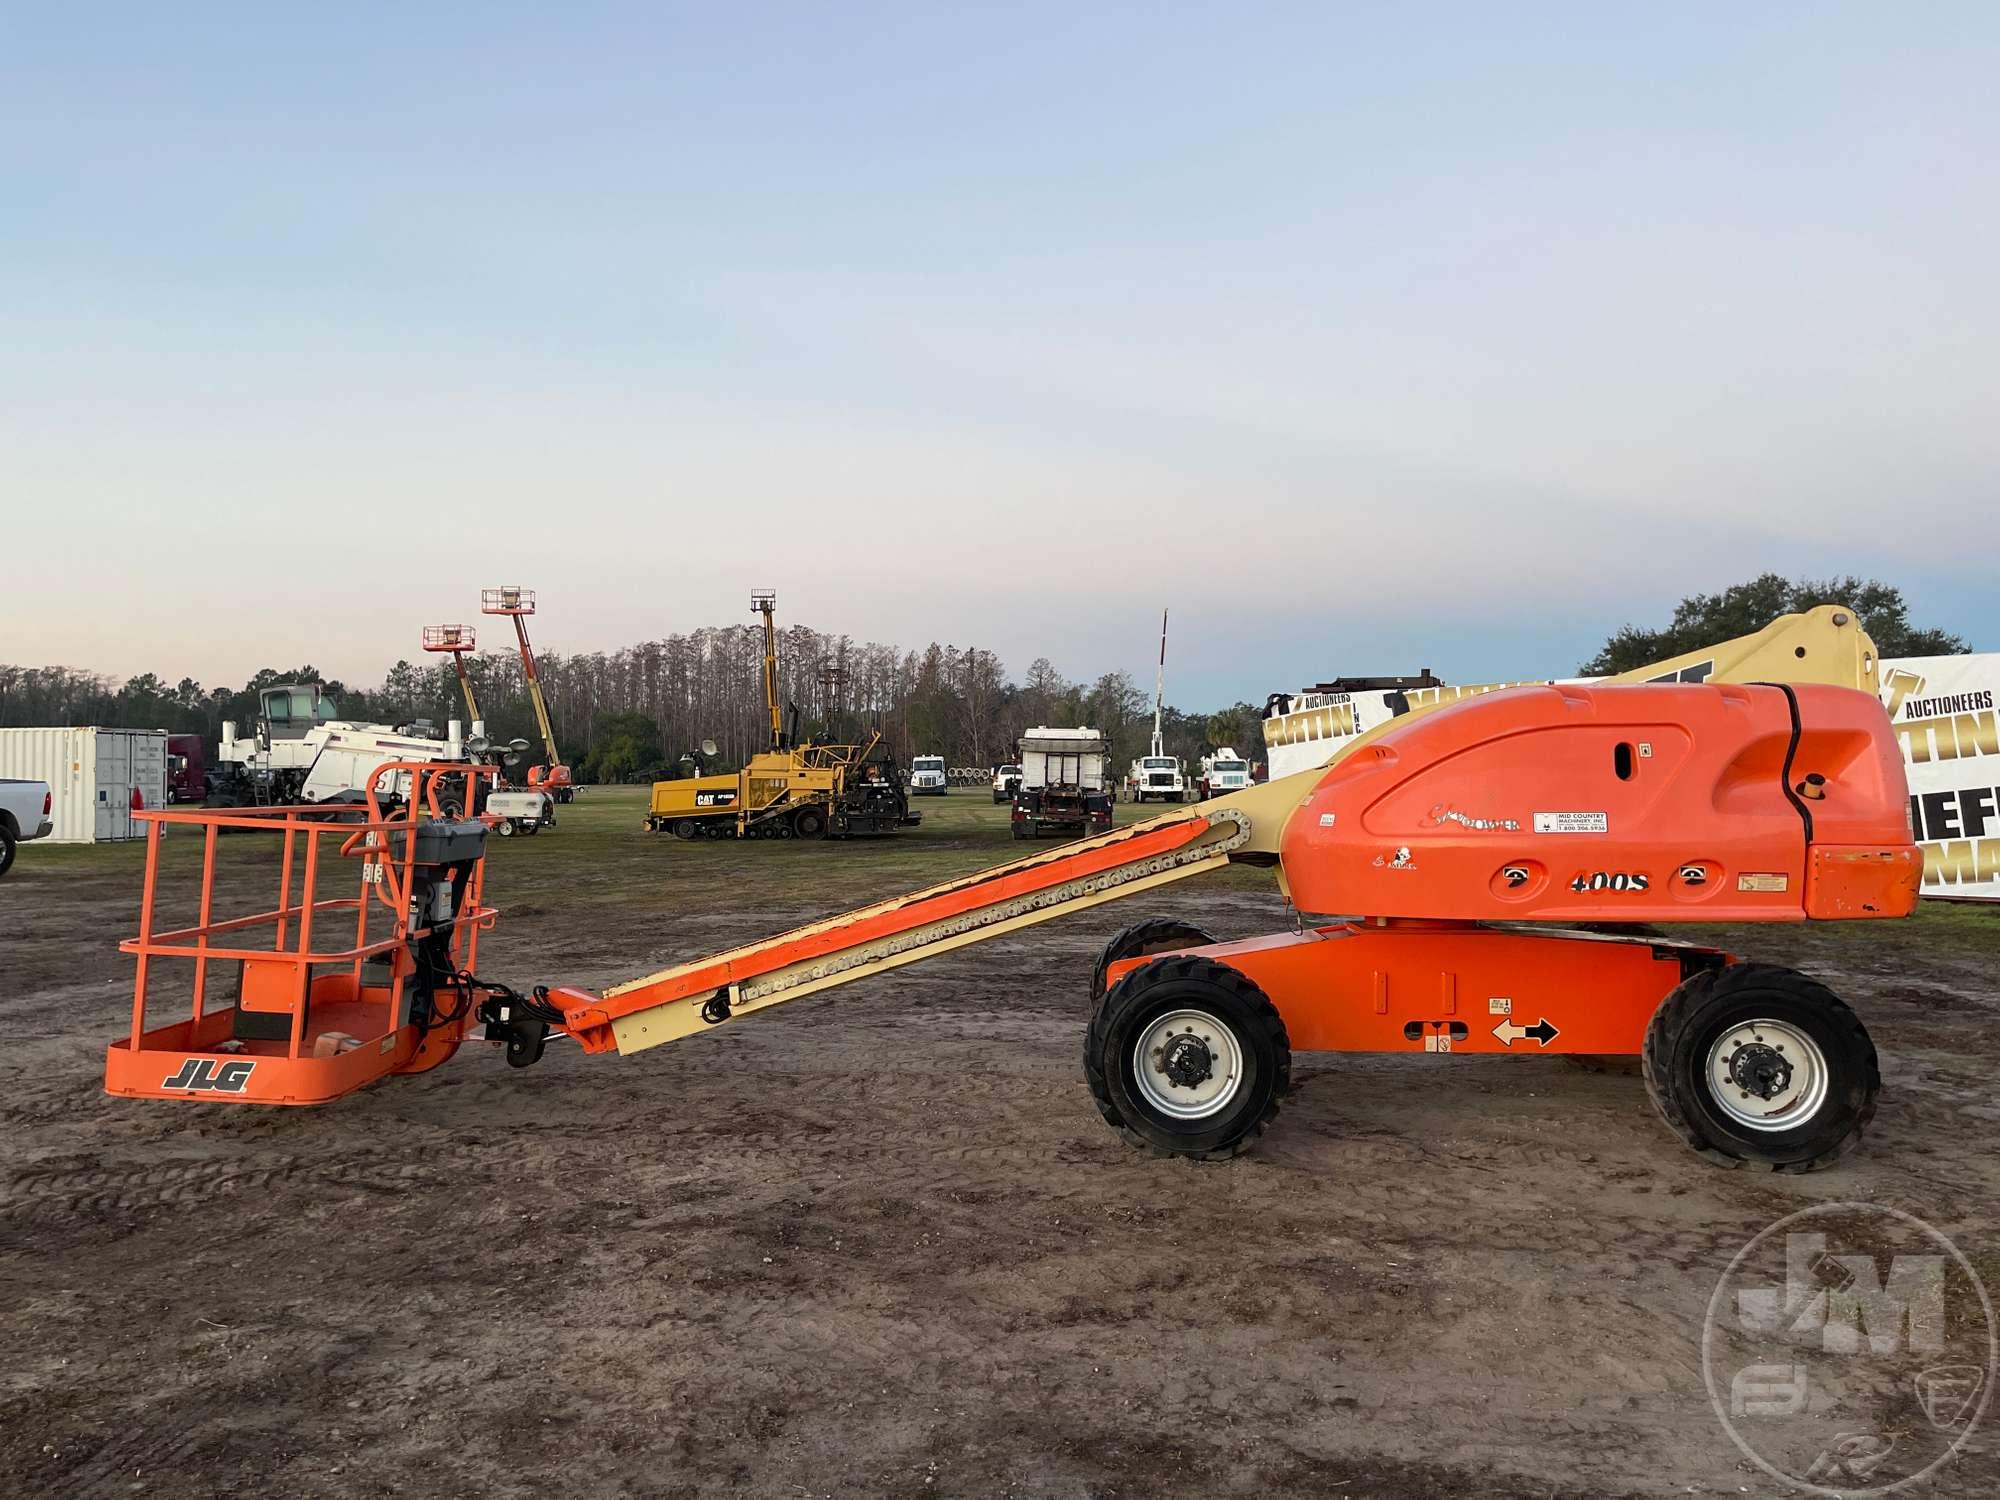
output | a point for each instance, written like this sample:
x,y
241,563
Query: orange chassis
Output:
x,y
1388,985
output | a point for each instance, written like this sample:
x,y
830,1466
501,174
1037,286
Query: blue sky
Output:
x,y
1364,341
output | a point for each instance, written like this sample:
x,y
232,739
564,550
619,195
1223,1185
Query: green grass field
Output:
x,y
601,853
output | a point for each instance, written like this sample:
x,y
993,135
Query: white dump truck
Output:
x,y
1065,783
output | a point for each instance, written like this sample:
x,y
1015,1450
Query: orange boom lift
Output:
x,y
518,603
457,640
1755,782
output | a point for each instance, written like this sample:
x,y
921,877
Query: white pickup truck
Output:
x,y
25,808
1006,782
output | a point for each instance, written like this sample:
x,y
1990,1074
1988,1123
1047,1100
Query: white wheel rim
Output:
x,y
1167,1036
1793,1098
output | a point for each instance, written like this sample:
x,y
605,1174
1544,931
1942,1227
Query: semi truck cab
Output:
x,y
927,778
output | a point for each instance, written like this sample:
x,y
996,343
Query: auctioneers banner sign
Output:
x,y
1943,710
1942,707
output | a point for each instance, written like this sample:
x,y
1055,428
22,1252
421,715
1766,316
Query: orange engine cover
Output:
x,y
1652,802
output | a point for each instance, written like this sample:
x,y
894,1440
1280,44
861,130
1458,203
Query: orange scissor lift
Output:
x,y
1689,792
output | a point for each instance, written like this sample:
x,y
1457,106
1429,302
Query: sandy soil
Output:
x,y
880,1243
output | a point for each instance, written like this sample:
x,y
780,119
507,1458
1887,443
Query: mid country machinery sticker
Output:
x,y
1572,822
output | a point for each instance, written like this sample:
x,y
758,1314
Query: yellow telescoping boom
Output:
x,y
1821,645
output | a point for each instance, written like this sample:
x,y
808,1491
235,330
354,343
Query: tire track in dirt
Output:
x,y
52,1195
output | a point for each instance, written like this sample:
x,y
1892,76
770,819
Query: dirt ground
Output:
x,y
879,1242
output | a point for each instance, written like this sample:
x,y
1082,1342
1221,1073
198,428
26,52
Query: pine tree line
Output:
x,y
634,713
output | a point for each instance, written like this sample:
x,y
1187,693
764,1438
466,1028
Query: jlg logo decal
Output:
x,y
204,1075
1610,880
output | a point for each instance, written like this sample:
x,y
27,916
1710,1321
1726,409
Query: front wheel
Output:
x,y
1141,940
809,823
506,828
1756,1065
1188,1057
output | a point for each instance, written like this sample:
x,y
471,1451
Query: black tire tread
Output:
x,y
1672,1016
1141,938
1165,970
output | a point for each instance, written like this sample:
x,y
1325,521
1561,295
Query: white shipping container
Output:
x,y
91,774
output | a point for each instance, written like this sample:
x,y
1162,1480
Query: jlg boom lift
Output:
x,y
456,641
517,604
1769,791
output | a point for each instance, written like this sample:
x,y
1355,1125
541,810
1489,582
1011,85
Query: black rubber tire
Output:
x,y
529,829
1686,1025
8,844
809,823
685,828
506,828
1167,984
1154,935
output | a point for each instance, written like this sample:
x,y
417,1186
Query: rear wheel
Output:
x,y
809,823
1756,1065
8,844
506,828
685,828
1188,1057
